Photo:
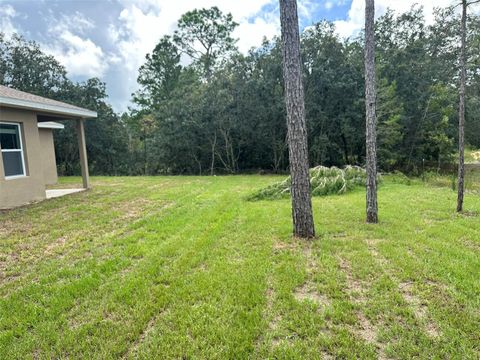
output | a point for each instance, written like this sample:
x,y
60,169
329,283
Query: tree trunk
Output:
x,y
145,151
461,112
371,133
212,163
297,132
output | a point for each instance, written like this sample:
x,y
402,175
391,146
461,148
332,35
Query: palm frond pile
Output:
x,y
323,180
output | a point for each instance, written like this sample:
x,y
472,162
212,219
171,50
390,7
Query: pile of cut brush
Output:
x,y
476,155
323,181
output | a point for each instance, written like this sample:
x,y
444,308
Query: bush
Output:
x,y
323,181
398,177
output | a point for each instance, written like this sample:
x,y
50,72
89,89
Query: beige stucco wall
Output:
x,y
20,191
48,156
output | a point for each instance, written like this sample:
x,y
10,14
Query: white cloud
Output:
x,y
80,55
355,20
142,23
76,21
329,4
251,34
7,14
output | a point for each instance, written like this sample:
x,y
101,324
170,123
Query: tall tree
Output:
x,y
206,36
461,108
159,75
371,120
297,131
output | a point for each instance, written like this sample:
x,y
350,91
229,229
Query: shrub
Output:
x,y
398,177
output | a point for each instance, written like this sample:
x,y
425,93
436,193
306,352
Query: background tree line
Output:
x,y
202,107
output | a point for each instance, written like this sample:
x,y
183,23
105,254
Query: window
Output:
x,y
12,150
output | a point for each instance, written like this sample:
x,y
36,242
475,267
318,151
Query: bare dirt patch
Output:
x,y
469,213
283,246
268,313
307,292
311,265
364,329
372,247
133,209
406,289
355,288
52,247
368,332
6,227
472,245
419,308
270,296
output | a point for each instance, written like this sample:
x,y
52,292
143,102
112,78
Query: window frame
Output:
x,y
21,151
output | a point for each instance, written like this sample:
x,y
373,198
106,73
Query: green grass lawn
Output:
x,y
185,267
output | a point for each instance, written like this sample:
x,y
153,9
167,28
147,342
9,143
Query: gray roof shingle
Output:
x,y
32,99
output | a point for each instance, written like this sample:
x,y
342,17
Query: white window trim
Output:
x,y
21,151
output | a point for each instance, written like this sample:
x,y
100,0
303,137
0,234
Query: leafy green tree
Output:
x,y
158,76
25,67
205,35
333,96
390,132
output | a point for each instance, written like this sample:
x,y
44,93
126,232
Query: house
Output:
x,y
27,161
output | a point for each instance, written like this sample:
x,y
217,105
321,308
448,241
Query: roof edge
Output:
x,y
53,109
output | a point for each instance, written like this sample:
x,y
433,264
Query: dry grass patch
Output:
x,y
354,288
364,328
307,292
419,308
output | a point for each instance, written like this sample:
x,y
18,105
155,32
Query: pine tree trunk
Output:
x,y
212,163
371,132
297,131
461,112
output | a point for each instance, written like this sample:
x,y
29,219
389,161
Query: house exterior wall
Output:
x,y
48,156
20,191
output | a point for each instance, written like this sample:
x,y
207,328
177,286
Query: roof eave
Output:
x,y
50,125
52,109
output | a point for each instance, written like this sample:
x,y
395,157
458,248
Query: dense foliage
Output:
x,y
234,120
224,111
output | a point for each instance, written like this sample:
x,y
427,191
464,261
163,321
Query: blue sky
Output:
x,y
110,38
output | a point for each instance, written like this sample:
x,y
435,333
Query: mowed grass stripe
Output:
x,y
72,225
80,247
218,307
61,287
